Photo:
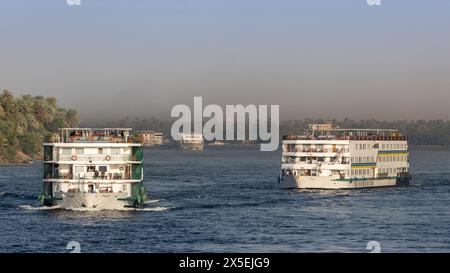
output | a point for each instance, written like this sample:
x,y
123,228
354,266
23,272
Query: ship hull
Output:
x,y
104,201
318,182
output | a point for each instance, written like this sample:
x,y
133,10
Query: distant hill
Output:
x,y
25,122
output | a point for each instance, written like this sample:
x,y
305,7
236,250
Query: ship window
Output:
x,y
115,151
100,151
79,151
91,168
79,169
102,169
66,151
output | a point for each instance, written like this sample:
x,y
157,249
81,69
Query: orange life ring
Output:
x,y
107,158
74,157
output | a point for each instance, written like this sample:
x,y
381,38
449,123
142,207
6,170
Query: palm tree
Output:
x,y
2,112
7,102
72,118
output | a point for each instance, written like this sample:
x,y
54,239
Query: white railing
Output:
x,y
102,176
96,157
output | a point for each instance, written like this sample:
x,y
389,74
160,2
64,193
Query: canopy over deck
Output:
x,y
114,135
327,132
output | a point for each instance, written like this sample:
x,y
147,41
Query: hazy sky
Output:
x,y
316,58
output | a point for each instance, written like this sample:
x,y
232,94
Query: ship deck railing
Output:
x,y
100,176
373,138
100,139
312,150
97,157
87,135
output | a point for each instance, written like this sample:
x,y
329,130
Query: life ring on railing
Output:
x,y
107,158
74,157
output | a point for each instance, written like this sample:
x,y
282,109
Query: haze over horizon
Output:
x,y
316,59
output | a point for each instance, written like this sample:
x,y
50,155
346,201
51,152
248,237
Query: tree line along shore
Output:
x,y
419,132
26,121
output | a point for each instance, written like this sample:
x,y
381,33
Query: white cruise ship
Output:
x,y
192,141
327,158
93,168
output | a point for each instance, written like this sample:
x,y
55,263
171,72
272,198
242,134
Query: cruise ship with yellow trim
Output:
x,y
329,158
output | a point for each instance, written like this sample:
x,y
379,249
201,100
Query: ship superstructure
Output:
x,y
328,158
93,168
192,141
152,138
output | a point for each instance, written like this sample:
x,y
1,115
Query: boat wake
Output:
x,y
154,209
152,201
29,207
151,209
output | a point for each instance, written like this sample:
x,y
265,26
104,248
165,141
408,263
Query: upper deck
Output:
x,y
191,137
94,135
348,134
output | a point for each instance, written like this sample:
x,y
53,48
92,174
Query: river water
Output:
x,y
226,199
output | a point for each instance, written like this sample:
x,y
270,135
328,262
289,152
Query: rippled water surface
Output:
x,y
227,199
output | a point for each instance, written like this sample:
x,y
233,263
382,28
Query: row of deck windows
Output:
x,y
313,160
100,151
319,148
389,146
360,172
395,158
394,146
367,159
390,171
362,159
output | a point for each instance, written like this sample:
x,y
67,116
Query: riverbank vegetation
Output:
x,y
419,132
25,122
